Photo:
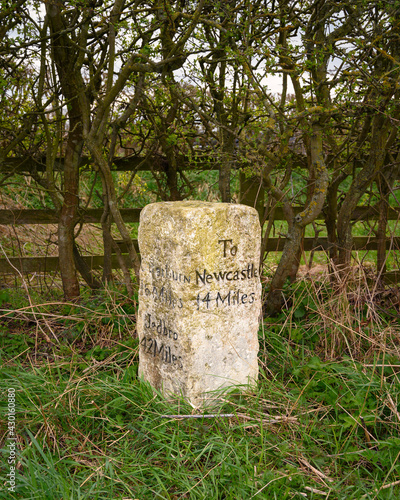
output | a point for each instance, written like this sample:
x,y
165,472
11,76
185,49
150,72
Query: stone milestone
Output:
x,y
199,297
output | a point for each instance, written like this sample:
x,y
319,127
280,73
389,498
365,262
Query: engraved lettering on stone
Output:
x,y
232,249
199,298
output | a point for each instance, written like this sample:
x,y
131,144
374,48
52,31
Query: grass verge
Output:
x,y
323,422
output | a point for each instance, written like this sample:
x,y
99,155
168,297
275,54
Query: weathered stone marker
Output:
x,y
200,296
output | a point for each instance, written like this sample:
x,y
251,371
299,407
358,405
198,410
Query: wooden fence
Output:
x,y
26,265
249,193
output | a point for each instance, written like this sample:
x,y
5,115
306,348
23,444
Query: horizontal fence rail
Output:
x,y
251,193
91,215
28,265
158,163
32,265
131,215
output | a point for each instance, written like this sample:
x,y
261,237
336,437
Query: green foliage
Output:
x,y
4,297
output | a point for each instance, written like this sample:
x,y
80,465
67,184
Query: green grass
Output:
x,y
323,421
102,435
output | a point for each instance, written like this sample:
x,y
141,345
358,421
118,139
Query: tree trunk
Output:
x,y
290,255
358,187
228,151
68,69
385,185
275,299
172,179
85,271
107,240
69,212
331,218
105,171
381,239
